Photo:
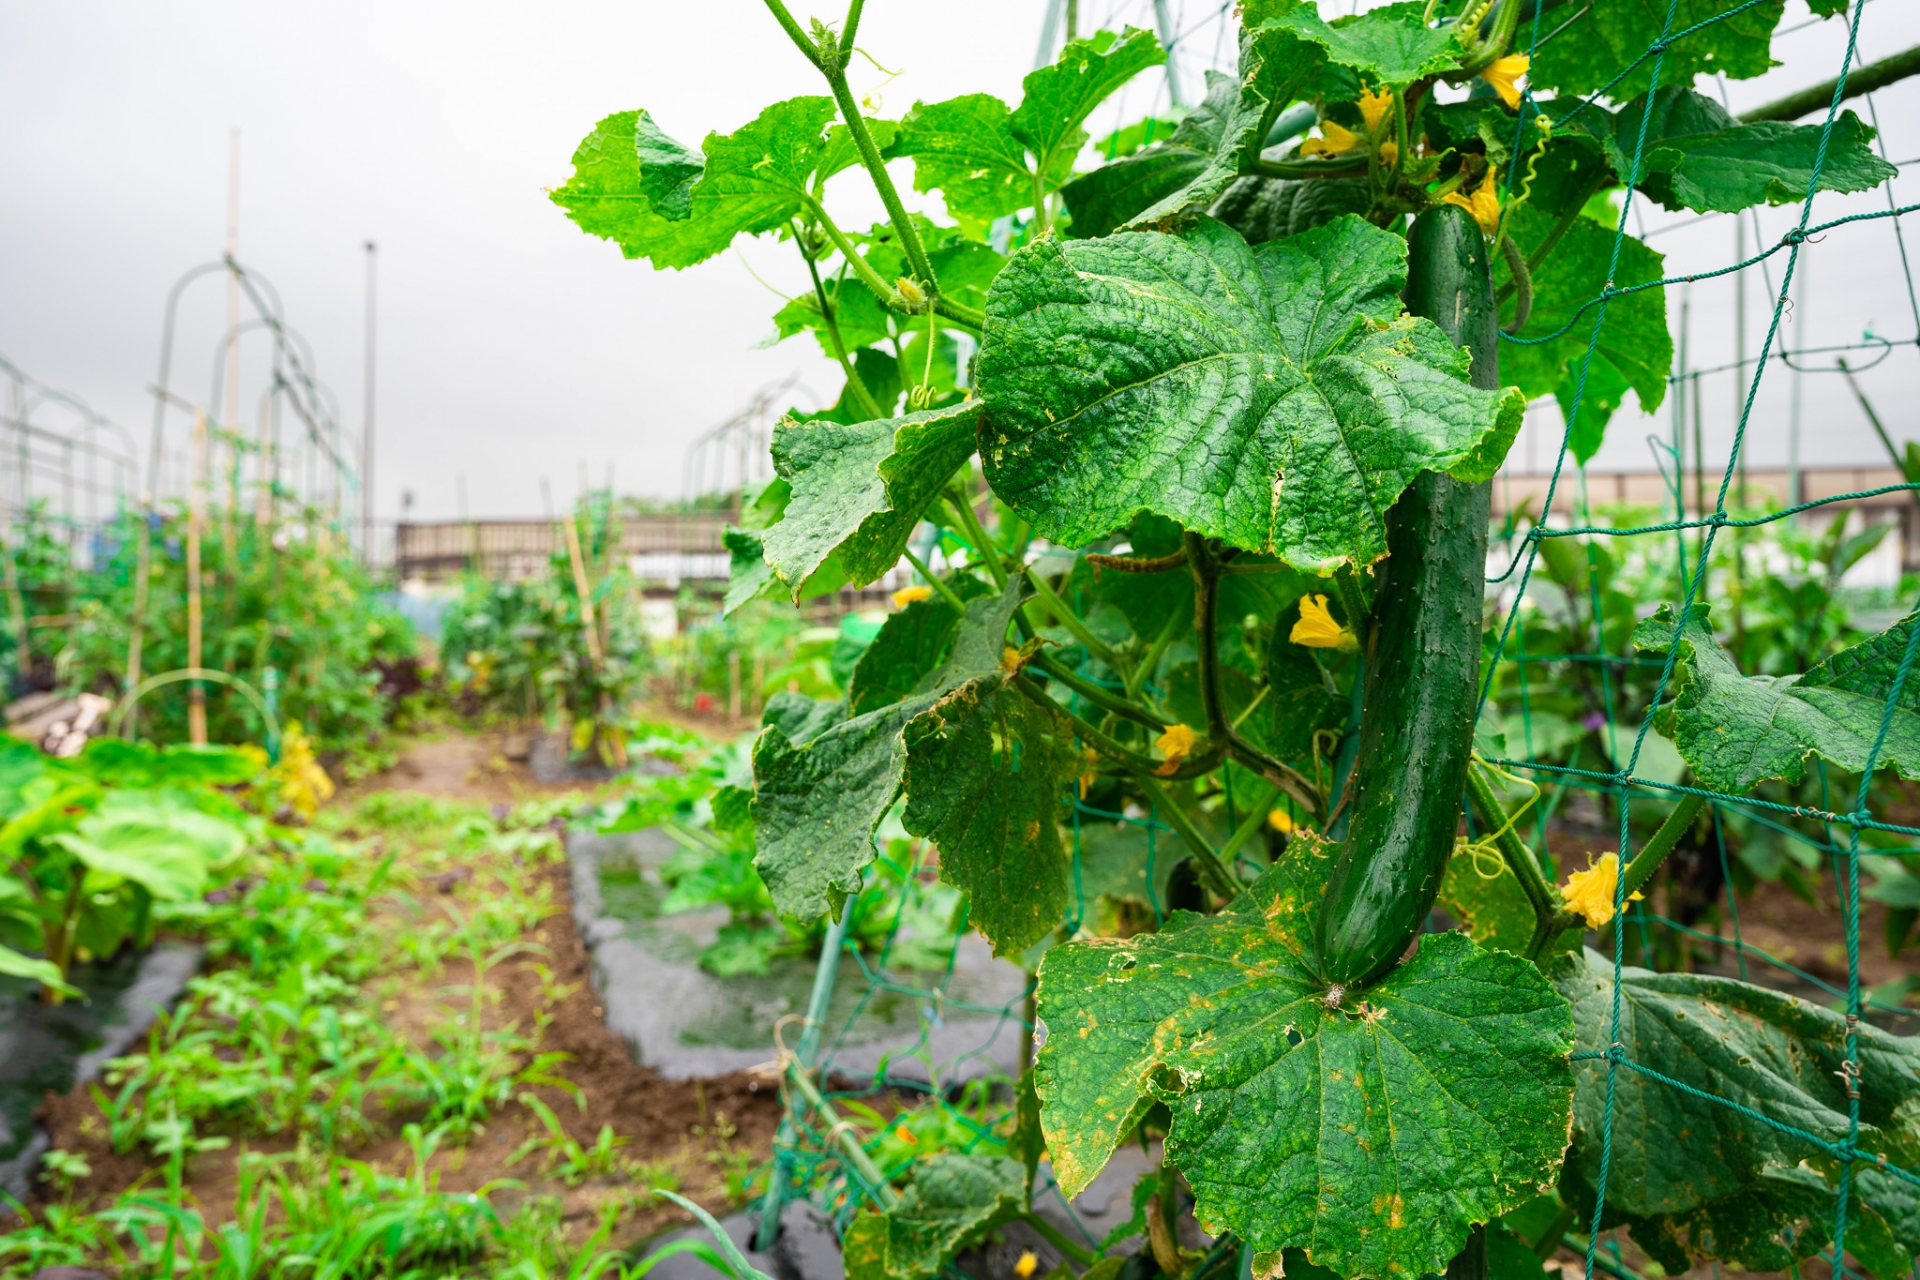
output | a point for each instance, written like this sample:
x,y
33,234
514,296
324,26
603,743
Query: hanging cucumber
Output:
x,y
1423,651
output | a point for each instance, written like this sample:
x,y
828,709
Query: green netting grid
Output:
x,y
1621,780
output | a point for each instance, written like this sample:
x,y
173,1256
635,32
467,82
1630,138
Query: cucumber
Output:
x,y
1423,652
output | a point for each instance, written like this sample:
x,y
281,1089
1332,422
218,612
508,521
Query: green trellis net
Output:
x,y
820,1156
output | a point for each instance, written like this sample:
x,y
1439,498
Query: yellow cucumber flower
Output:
x,y
1502,74
1317,629
1027,1265
1590,892
1483,204
1174,744
1280,820
1389,152
1333,141
1374,108
910,595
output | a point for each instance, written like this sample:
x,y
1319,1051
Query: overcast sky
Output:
x,y
512,347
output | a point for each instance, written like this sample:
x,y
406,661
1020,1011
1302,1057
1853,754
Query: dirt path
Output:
x,y
701,1137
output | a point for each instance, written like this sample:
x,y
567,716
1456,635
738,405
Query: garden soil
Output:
x,y
695,1131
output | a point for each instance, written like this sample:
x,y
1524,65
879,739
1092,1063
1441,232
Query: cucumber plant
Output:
x,y
1235,397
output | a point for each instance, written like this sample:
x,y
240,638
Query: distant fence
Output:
x,y
669,550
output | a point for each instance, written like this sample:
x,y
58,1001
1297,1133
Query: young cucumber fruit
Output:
x,y
1423,652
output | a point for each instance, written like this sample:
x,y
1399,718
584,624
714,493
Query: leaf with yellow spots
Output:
x,y
1372,1131
950,1201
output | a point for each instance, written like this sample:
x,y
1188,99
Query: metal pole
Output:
x,y
1049,26
1794,482
1163,18
366,438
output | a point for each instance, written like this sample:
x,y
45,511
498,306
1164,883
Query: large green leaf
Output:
x,y
911,644
950,1201
637,187
156,839
1611,37
1774,1054
137,764
1263,209
823,780
1390,45
964,148
15,965
1634,348
1699,157
1373,1133
986,771
1736,731
975,152
1059,97
1274,397
859,490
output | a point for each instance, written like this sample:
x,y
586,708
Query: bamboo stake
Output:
x,y
196,691
143,568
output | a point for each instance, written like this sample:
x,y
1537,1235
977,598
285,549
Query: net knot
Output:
x,y
1661,45
1796,236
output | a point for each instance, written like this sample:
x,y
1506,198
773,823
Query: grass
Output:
x,y
307,1042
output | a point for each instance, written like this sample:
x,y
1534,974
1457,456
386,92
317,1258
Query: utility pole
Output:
x,y
232,405
366,438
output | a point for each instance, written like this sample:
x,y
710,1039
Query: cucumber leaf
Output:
x,y
950,1201
986,768
974,151
1274,397
1390,45
1277,67
859,490
1736,731
1782,1217
1699,157
1480,891
1612,37
1372,1134
752,180
1059,97
982,776
1263,209
1634,349
911,643
1775,1054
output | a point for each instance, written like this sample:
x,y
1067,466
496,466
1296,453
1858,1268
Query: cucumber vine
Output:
x,y
1236,399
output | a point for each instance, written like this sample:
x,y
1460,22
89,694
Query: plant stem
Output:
x,y
1216,876
877,170
792,29
1519,858
868,405
888,295
1053,1236
1205,566
945,592
1660,844
989,549
1251,824
1126,757
1522,277
1071,621
963,316
1143,670
1105,699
